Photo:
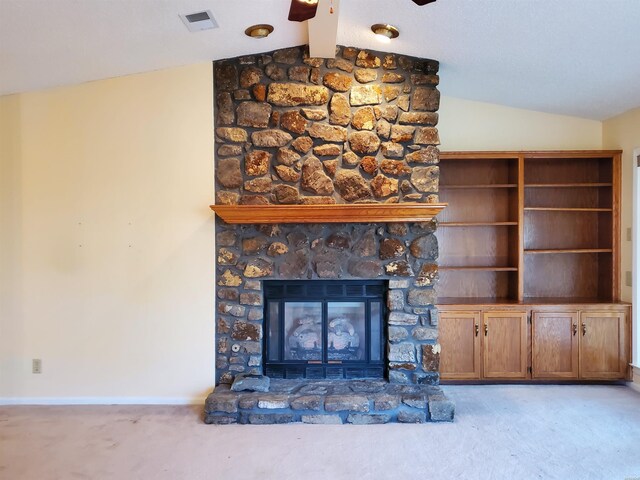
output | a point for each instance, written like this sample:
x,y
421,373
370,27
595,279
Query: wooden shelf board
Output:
x,y
567,185
478,185
563,209
526,301
478,269
337,213
476,224
567,250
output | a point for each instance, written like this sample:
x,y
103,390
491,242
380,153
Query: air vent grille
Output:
x,y
198,21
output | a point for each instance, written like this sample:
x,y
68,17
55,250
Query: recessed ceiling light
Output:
x,y
259,31
384,31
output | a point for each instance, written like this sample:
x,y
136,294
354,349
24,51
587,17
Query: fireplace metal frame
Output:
x,y
325,291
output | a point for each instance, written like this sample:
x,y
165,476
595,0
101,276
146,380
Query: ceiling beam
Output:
x,y
323,30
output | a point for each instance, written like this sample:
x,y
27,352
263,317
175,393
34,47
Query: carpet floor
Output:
x,y
500,432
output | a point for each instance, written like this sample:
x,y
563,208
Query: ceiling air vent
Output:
x,y
199,21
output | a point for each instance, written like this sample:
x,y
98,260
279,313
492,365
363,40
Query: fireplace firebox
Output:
x,y
324,329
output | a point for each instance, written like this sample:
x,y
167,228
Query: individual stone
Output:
x,y
328,133
313,62
427,136
398,377
419,118
286,156
425,247
441,409
249,76
383,129
327,150
254,114
260,92
314,179
425,99
364,268
364,142
392,77
425,179
270,138
369,164
364,119
315,76
290,56
253,285
321,419
275,73
401,352
226,77
257,162
350,403
265,418
254,361
366,75
390,92
328,265
227,294
241,95
230,134
431,358
250,383
394,167
367,60
389,62
295,265
350,158
314,114
429,156
299,74
287,174
286,194
351,186
224,105
340,64
391,248
425,334
250,299
228,172
258,267
323,200
397,334
254,200
258,185
366,245
273,402
307,402
338,241
276,249
225,197
398,283
295,94
421,79
301,144
227,257
365,95
229,150
401,133
246,331
221,403
383,186
400,268
403,102
401,318
226,238
223,345
392,149
293,121
254,314
405,416
298,239
388,112
422,297
386,402
338,82
349,53
340,110
427,276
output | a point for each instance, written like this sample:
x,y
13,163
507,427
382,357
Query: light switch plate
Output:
x,y
629,234
36,365
628,278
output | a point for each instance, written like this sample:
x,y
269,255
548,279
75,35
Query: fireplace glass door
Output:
x,y
324,329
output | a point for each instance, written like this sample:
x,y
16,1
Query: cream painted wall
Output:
x,y
106,247
470,125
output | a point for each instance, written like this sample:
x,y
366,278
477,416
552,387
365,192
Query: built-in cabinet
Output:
x,y
529,267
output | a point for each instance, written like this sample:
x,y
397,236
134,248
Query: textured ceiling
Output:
x,y
574,57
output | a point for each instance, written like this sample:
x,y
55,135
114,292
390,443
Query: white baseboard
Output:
x,y
635,382
101,401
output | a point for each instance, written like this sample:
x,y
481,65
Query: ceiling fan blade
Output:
x,y
423,2
302,10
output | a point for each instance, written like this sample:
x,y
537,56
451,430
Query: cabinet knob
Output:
x,y
477,329
575,329
584,329
486,329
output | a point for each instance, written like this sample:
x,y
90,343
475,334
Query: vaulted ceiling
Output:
x,y
573,57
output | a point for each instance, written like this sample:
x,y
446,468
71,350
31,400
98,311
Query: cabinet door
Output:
x,y
602,345
460,345
554,344
505,344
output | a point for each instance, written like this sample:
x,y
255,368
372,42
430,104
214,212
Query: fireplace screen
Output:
x,y
324,329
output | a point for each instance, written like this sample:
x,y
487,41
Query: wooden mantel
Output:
x,y
339,213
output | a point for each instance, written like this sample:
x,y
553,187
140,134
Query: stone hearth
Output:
x,y
359,128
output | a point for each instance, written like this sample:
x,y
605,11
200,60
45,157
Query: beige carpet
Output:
x,y
511,432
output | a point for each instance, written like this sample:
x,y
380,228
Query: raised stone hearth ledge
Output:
x,y
358,402
341,213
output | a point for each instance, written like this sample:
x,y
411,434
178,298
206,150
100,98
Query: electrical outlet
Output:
x,y
629,234
36,365
628,277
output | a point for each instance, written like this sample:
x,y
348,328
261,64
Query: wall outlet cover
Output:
x,y
36,365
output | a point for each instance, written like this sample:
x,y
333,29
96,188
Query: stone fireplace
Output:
x,y
294,130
